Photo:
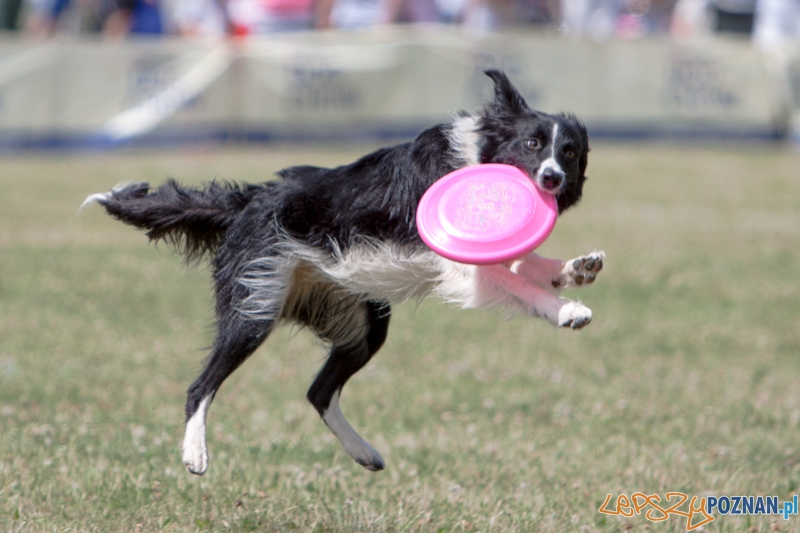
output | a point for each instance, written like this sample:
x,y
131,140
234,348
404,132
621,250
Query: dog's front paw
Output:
x,y
574,315
582,270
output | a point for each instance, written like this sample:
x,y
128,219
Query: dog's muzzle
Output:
x,y
552,180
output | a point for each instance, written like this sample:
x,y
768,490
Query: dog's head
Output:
x,y
552,149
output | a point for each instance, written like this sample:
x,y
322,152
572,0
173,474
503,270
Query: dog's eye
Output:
x,y
532,143
569,154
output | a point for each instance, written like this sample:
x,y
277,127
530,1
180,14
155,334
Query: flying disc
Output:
x,y
485,214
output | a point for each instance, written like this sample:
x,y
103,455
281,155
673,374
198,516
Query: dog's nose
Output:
x,y
552,179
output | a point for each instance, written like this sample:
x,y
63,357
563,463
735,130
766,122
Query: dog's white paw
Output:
x,y
365,455
574,315
195,450
195,457
582,270
356,447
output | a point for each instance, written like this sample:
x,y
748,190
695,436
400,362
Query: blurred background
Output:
x,y
95,74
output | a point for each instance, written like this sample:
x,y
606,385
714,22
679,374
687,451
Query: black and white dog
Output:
x,y
330,249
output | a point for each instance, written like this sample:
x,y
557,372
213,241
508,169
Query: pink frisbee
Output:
x,y
485,214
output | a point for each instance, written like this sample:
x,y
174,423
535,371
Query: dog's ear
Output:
x,y
574,190
583,161
506,96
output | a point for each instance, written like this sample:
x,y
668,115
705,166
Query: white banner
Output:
x,y
380,84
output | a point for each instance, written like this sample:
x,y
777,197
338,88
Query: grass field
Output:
x,y
688,379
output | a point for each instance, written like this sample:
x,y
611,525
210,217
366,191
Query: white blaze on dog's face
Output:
x,y
551,177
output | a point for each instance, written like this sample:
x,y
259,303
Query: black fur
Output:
x,y
194,221
245,228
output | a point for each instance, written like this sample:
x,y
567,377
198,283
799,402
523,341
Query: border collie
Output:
x,y
331,249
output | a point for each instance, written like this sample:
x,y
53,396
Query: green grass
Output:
x,y
688,379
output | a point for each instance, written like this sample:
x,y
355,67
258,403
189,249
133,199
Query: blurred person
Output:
x,y
9,14
197,18
776,21
704,17
142,17
691,18
46,17
489,15
590,18
625,19
541,12
644,17
354,14
250,17
417,12
451,11
41,20
733,16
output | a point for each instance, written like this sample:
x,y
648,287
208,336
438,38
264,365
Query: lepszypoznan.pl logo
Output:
x,y
700,510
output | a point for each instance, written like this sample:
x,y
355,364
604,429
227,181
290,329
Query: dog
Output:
x,y
333,249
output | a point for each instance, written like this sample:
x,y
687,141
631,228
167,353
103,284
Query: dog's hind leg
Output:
x,y
346,359
239,335
237,339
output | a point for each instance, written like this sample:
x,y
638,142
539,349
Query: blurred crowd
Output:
x,y
766,21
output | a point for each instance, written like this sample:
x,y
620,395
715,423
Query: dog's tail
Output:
x,y
193,220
